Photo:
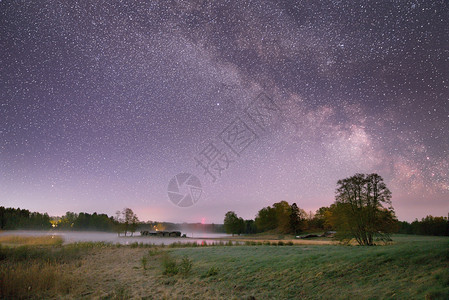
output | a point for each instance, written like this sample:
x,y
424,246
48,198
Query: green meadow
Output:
x,y
412,267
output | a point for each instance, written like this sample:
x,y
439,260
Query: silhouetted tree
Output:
x,y
250,227
130,220
283,213
360,212
119,226
297,219
233,224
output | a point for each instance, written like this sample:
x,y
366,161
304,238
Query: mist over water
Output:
x,y
110,237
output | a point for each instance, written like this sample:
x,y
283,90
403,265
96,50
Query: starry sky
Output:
x,y
102,103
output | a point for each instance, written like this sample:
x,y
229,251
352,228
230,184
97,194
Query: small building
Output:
x,y
161,233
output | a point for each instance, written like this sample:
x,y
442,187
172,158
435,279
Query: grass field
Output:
x,y
13,240
414,267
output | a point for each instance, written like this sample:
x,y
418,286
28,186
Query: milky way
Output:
x,y
102,103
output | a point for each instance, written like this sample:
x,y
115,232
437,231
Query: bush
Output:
x,y
185,266
211,272
170,265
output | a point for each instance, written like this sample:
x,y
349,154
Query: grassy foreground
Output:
x,y
414,267
14,240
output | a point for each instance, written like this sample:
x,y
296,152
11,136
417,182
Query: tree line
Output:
x,y
124,222
429,225
16,218
84,221
362,211
280,217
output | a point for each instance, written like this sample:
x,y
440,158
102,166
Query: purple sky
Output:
x,y
101,105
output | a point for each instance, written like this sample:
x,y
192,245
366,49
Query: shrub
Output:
x,y
170,265
185,266
211,272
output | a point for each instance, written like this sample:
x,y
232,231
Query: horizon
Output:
x,y
183,113
203,221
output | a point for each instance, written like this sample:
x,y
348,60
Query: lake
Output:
x,y
109,237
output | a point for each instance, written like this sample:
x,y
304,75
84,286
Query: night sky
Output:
x,y
102,103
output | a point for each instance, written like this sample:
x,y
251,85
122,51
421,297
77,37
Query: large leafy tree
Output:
x,y
276,217
363,209
233,224
130,220
266,219
126,221
297,219
283,213
322,218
